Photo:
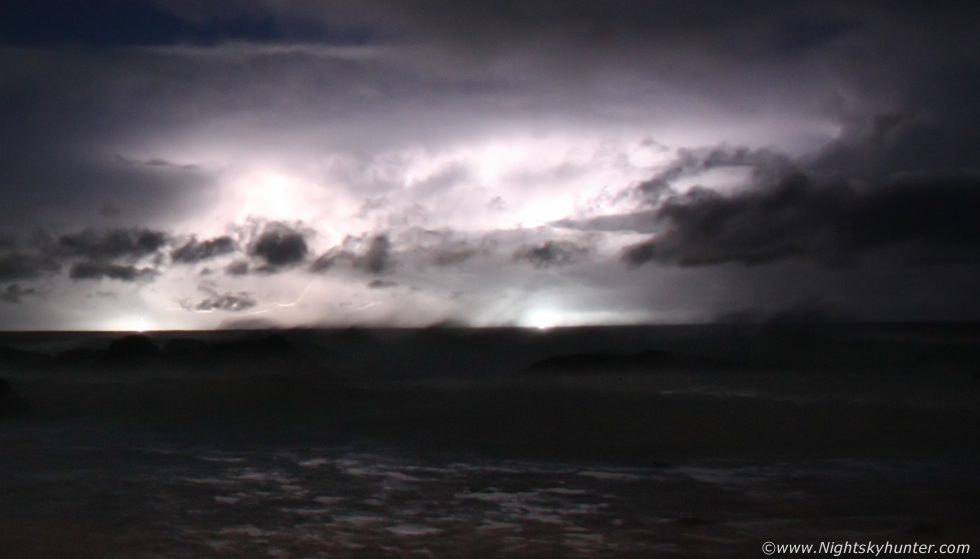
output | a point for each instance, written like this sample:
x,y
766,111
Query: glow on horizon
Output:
x,y
126,323
548,318
474,188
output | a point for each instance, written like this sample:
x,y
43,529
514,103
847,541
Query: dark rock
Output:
x,y
74,358
693,521
652,359
133,345
130,351
12,358
270,354
648,361
10,402
179,345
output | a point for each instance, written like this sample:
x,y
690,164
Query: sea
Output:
x,y
668,441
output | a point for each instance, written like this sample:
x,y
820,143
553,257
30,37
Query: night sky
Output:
x,y
177,164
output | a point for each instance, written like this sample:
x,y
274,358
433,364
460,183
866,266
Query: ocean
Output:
x,y
605,442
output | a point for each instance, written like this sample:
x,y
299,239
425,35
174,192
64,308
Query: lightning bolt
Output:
x,y
284,305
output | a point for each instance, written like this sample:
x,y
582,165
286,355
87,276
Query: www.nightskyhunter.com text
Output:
x,y
839,548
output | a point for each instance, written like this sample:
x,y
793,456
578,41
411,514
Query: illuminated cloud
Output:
x,y
279,245
128,244
13,293
94,270
194,251
229,302
533,163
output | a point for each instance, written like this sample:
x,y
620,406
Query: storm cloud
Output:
x,y
377,259
550,253
194,251
14,292
373,255
832,225
21,266
229,302
130,244
95,270
279,245
504,161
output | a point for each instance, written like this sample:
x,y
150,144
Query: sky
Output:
x,y
178,164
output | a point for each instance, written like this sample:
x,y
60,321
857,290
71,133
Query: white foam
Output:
x,y
252,475
329,500
491,525
563,491
233,460
247,530
499,497
612,476
207,481
306,511
358,520
414,530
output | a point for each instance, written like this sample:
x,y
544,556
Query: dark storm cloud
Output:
x,y
99,23
95,270
279,245
550,254
14,292
373,255
938,131
450,251
121,113
799,34
331,259
194,251
574,34
378,258
804,313
56,147
644,221
382,284
478,24
131,244
931,217
452,257
105,23
229,302
21,266
237,268
766,165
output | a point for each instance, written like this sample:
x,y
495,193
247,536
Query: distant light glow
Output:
x,y
128,323
496,159
542,319
269,194
547,318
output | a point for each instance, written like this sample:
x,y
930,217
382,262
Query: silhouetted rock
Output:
x,y
270,354
180,345
130,351
353,336
649,360
10,402
11,358
76,358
